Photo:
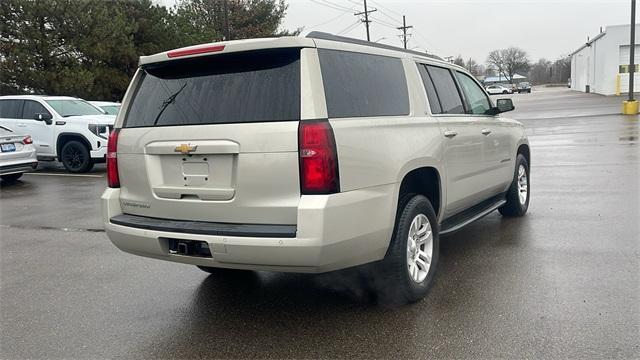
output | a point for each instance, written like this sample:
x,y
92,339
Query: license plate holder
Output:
x,y
8,147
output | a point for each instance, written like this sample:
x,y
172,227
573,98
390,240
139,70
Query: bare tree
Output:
x,y
474,68
547,72
459,61
507,62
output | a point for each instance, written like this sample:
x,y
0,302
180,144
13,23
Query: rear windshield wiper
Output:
x,y
170,100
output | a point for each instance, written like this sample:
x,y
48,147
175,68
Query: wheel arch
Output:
x,y
424,180
65,137
525,151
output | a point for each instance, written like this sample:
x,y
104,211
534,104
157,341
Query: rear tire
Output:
x,y
519,192
75,157
410,265
11,178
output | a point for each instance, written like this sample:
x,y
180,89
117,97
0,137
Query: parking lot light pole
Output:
x,y
630,107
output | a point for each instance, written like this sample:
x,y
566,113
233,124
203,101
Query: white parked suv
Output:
x,y
64,128
308,155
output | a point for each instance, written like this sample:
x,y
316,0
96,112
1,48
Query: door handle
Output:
x,y
450,133
486,131
21,125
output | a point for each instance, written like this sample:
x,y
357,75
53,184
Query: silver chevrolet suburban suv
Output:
x,y
308,155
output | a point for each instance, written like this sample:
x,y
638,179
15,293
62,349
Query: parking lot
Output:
x,y
563,281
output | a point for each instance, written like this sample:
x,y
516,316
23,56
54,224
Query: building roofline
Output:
x,y
588,43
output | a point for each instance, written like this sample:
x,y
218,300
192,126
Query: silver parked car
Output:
x,y
17,155
308,155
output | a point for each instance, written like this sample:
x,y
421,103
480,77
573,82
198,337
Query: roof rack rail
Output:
x,y
326,36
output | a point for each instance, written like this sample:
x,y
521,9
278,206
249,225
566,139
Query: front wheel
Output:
x,y
412,258
519,192
75,157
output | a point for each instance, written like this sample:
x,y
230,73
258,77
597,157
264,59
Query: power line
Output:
x,y
349,28
384,23
332,19
376,3
366,20
337,5
328,5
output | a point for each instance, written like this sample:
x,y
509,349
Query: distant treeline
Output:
x,y
90,48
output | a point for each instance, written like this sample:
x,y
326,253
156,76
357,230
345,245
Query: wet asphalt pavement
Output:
x,y
562,282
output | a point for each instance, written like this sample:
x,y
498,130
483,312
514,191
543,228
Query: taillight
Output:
x,y
318,158
27,140
113,179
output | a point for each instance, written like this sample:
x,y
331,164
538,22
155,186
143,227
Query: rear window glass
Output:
x,y
255,86
363,85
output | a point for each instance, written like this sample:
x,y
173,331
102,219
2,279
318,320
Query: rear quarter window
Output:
x,y
357,85
254,86
450,100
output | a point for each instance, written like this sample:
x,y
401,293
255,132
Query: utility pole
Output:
x,y
366,20
404,28
227,33
632,49
630,107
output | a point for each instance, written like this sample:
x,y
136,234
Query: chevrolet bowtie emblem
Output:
x,y
185,148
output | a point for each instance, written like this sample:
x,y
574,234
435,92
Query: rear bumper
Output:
x,y
18,168
332,232
18,162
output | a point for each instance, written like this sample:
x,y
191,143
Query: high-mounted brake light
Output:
x,y
27,140
195,50
113,179
318,158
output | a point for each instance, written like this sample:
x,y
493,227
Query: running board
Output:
x,y
462,219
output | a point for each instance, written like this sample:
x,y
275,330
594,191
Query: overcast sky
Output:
x,y
471,28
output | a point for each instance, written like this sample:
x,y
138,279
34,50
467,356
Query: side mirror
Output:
x,y
43,117
502,105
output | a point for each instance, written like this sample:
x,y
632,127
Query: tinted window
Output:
x,y
450,100
10,109
363,85
476,98
233,88
31,108
432,95
73,107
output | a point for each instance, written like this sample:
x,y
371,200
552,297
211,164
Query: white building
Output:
x,y
601,65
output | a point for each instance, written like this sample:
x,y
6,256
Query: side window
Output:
x,y
447,90
10,109
31,108
476,98
432,95
358,84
